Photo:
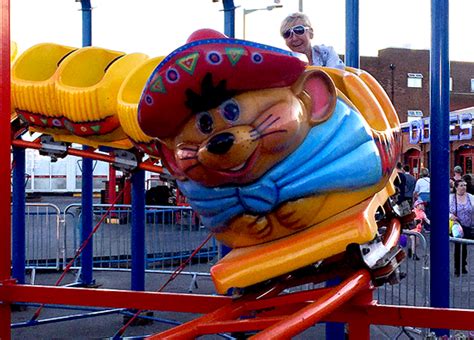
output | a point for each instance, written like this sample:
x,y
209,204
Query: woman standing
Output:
x,y
461,206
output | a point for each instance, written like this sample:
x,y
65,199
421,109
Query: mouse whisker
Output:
x,y
263,122
268,134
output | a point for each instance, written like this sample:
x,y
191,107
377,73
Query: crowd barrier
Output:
x,y
413,289
43,224
173,232
462,285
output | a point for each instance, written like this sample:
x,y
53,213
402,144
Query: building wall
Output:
x,y
391,68
394,79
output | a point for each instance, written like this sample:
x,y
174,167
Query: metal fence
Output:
x,y
462,285
413,288
42,236
172,233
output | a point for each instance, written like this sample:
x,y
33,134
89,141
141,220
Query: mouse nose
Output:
x,y
221,143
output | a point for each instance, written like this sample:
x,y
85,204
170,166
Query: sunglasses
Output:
x,y
298,30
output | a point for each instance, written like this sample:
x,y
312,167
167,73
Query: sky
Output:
x,y
157,27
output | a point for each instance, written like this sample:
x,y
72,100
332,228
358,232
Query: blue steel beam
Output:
x,y
86,277
138,231
439,155
87,220
352,34
336,330
229,18
86,22
18,216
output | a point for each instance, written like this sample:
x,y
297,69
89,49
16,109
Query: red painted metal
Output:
x,y
308,316
5,217
422,317
87,154
112,184
183,303
190,330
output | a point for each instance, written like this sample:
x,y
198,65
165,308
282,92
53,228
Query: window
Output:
x,y
414,115
472,85
415,80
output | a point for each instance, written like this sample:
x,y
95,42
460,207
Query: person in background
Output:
x,y
297,31
460,210
470,187
422,190
410,181
420,221
456,177
400,183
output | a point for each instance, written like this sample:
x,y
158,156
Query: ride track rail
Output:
x,y
91,154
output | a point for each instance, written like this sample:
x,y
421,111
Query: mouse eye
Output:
x,y
204,122
230,110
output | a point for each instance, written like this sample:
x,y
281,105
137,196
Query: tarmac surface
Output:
x,y
413,290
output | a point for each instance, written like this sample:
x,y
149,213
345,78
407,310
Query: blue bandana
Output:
x,y
337,155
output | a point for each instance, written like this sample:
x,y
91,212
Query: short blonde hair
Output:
x,y
290,19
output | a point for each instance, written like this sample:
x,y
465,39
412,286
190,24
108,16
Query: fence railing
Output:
x,y
171,235
43,224
462,283
413,288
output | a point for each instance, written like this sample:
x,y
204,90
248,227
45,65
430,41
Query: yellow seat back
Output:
x,y
33,78
129,96
89,81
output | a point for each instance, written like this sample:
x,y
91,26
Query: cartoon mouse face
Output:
x,y
240,139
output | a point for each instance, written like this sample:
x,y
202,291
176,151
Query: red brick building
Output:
x,y
404,74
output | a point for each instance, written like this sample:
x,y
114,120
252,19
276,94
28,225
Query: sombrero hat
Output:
x,y
207,70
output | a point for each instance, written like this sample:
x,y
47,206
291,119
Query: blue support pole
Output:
x,y
138,231
229,30
335,330
86,22
229,18
87,170
352,34
439,155
18,216
87,220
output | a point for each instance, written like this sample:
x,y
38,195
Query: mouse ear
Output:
x,y
318,93
168,160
